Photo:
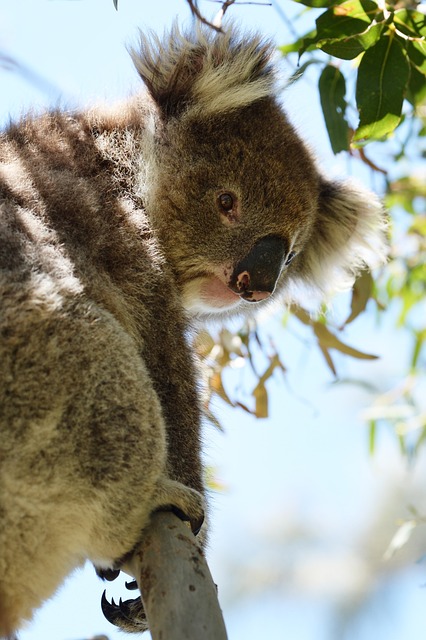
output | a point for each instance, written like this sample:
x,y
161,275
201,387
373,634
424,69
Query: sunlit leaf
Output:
x,y
421,440
231,342
411,23
260,395
217,386
301,70
382,80
418,346
346,19
244,407
317,4
406,192
402,444
401,537
351,47
332,88
301,315
372,436
418,225
361,293
417,53
328,359
295,46
416,93
329,340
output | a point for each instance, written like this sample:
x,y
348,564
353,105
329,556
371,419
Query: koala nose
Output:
x,y
255,276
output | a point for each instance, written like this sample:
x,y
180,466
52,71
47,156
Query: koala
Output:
x,y
122,229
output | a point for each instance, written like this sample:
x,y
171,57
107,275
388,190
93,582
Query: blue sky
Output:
x,y
300,528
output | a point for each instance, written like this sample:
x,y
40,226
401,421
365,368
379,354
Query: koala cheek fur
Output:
x,y
196,199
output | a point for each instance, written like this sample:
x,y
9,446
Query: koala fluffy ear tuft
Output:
x,y
349,235
203,73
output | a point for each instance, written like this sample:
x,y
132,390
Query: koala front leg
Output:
x,y
171,369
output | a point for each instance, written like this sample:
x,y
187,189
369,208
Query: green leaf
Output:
x,y
346,19
349,48
372,436
332,89
301,70
420,340
382,80
294,47
411,23
417,54
317,4
416,93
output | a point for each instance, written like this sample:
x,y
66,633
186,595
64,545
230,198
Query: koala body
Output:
x,y
118,228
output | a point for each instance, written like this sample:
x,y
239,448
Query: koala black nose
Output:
x,y
256,275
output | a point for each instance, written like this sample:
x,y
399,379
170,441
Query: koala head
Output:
x,y
239,205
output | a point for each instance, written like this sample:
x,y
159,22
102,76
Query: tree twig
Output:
x,y
196,12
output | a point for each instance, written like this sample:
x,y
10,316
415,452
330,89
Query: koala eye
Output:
x,y
226,202
290,257
229,208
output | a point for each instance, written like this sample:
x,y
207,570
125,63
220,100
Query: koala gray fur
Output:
x,y
119,228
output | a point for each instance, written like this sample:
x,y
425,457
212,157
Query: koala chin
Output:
x,y
120,226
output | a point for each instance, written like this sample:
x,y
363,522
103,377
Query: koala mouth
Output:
x,y
218,294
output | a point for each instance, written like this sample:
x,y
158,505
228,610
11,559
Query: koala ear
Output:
x,y
349,235
202,72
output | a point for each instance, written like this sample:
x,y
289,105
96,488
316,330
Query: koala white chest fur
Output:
x,y
194,199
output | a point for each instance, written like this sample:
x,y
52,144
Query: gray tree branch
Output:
x,y
177,589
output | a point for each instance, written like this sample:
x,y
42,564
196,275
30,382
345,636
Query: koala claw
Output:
x,y
131,586
195,523
128,615
107,574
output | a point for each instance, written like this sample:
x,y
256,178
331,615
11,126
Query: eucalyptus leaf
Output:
x,y
332,89
416,93
411,23
361,294
328,340
417,54
382,80
317,4
346,19
372,436
294,47
301,70
351,47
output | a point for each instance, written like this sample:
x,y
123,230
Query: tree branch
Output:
x,y
178,592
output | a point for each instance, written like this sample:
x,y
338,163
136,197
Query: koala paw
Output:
x,y
186,503
128,615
